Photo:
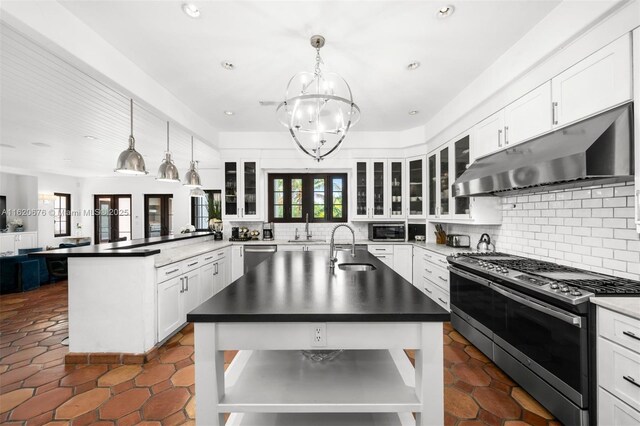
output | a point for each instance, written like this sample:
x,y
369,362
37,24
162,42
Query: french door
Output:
x,y
112,218
158,215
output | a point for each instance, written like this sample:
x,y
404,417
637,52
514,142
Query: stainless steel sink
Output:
x,y
359,267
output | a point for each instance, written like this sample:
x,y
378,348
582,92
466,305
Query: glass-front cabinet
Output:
x,y
461,148
416,176
378,186
241,190
439,184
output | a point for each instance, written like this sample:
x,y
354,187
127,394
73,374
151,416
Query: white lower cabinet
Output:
x,y
170,306
431,276
384,252
14,241
237,262
402,260
184,285
618,369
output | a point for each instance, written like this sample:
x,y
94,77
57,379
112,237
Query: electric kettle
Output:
x,y
485,244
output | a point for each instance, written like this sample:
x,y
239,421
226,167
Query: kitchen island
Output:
x,y
295,302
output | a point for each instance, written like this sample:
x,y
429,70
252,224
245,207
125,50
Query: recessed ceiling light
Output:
x,y
229,112
413,112
413,66
191,10
46,145
6,145
93,138
227,65
446,11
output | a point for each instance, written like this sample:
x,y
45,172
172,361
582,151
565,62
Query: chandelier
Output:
x,y
318,108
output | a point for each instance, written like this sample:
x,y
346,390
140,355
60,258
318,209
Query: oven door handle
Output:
x,y
571,319
469,276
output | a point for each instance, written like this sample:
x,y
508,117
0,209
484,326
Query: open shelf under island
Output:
x,y
270,314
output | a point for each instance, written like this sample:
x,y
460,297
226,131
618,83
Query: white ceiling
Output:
x,y
44,100
368,42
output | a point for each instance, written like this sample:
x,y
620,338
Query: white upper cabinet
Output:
x,y
594,84
488,135
242,190
528,116
417,184
378,190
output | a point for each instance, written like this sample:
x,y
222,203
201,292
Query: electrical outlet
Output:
x,y
319,335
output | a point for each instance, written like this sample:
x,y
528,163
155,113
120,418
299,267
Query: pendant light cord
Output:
x,y
131,116
167,136
192,149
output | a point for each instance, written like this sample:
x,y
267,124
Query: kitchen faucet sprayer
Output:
x,y
332,246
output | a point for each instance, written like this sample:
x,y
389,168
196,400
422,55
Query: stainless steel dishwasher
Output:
x,y
256,254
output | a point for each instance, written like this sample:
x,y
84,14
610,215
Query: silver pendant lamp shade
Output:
x,y
198,193
130,161
192,178
168,172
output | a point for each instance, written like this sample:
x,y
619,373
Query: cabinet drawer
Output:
x,y
437,275
380,249
619,371
436,293
619,328
435,258
211,256
613,412
167,272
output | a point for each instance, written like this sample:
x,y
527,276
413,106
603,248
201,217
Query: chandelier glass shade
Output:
x,y
131,161
318,109
168,172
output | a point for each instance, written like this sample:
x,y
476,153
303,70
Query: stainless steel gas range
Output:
x,y
534,320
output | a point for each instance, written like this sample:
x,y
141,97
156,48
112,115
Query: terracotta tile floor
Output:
x,y
36,387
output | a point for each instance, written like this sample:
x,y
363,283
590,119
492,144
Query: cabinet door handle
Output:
x,y
442,301
506,135
216,272
172,271
500,138
442,278
426,289
182,285
208,258
428,271
631,380
192,264
443,261
631,334
554,112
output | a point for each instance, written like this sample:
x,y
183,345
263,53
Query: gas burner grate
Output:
x,y
532,266
607,287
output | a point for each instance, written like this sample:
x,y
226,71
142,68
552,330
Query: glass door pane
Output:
x,y
444,181
361,188
169,223
154,217
104,220
250,190
432,185
231,188
124,218
378,188
396,188
461,204
415,187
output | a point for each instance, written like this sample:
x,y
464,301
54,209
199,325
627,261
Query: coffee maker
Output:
x,y
267,231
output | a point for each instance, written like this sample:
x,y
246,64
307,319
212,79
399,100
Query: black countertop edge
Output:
x,y
133,248
315,317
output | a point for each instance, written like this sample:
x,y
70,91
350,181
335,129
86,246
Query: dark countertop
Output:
x,y
134,248
299,287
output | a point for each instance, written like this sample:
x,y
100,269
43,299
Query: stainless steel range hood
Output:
x,y
599,148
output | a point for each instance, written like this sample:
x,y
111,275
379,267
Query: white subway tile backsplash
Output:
x,y
602,192
581,194
625,234
623,191
627,256
593,203
614,223
614,202
624,212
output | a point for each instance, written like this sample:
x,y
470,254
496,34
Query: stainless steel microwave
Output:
x,y
387,232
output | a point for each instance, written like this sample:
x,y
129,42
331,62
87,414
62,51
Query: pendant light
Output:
x,y
198,193
192,178
130,161
168,172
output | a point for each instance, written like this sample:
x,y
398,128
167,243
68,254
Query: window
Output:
x,y
112,221
321,196
62,215
158,215
205,208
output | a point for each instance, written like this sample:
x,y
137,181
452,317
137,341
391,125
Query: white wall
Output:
x,y
48,184
22,193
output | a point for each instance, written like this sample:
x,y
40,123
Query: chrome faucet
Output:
x,y
296,235
306,228
332,246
